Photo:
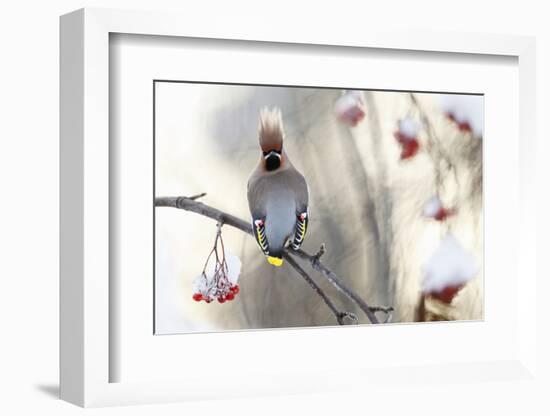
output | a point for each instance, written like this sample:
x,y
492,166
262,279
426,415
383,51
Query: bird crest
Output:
x,y
270,129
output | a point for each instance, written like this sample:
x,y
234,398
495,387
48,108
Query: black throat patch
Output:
x,y
272,162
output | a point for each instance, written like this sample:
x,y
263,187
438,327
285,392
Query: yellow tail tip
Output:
x,y
275,261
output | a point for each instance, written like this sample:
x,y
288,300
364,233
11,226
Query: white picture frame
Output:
x,y
85,166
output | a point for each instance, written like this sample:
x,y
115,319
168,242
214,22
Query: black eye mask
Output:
x,y
272,151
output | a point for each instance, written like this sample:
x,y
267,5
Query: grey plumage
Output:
x,y
277,197
277,193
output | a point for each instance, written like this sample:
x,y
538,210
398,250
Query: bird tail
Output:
x,y
275,261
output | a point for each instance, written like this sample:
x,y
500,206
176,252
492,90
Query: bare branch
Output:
x,y
337,283
340,315
189,204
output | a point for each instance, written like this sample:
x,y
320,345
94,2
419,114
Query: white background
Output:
x,y
29,216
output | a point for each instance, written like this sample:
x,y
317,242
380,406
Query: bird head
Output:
x,y
271,135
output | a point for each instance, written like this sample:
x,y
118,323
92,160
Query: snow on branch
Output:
x,y
191,204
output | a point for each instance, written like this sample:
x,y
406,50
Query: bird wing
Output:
x,y
258,225
296,181
301,228
257,205
298,184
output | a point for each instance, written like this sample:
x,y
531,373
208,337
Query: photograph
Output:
x,y
280,206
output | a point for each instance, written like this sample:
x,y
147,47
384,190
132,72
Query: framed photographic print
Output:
x,y
262,201
362,217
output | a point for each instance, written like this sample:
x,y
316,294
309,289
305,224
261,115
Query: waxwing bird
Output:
x,y
277,193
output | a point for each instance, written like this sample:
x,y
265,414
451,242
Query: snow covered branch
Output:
x,y
191,204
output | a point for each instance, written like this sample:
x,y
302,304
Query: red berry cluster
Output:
x,y
462,125
222,298
443,213
353,115
447,294
350,108
409,145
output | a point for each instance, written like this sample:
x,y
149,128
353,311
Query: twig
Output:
x,y
388,310
195,197
340,315
190,204
321,252
337,283
316,264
